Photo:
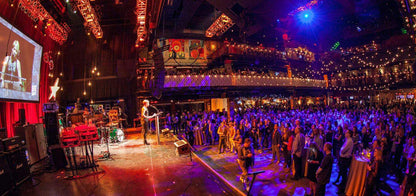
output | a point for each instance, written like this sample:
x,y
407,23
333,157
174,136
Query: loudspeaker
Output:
x,y
58,157
3,133
6,182
22,116
18,165
52,128
182,147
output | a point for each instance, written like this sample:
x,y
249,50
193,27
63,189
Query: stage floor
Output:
x,y
136,170
275,180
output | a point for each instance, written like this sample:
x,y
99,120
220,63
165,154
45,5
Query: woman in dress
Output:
x,y
315,157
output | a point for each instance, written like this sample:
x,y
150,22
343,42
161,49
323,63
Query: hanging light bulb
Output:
x,y
89,83
85,92
98,73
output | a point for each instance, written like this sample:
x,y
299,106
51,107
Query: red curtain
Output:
x,y
33,111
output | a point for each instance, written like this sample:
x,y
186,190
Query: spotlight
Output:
x,y
306,16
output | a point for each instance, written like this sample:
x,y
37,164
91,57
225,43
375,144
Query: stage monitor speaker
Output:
x,y
22,116
18,165
6,182
182,147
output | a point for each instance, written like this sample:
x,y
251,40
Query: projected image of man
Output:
x,y
11,73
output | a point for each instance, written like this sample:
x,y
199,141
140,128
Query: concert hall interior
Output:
x,y
208,97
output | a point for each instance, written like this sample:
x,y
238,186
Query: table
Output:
x,y
357,177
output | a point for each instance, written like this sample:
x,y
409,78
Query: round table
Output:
x,y
357,177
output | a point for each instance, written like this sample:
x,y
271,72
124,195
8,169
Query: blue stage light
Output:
x,y
306,16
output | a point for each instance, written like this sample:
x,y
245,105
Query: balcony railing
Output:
x,y
195,81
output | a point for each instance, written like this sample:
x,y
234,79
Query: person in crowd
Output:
x,y
323,174
356,138
231,135
316,137
373,167
298,145
345,158
211,132
245,159
314,160
175,124
338,141
222,132
287,147
189,132
276,144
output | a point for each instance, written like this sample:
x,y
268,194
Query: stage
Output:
x,y
136,169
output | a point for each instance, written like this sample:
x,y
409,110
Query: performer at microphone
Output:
x,y
145,119
11,76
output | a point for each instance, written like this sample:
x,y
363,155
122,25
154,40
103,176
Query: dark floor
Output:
x,y
135,170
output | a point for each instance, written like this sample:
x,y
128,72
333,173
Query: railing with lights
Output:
x,y
300,54
90,17
195,81
220,26
141,6
36,12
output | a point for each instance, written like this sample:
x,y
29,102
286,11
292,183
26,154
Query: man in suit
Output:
x,y
297,148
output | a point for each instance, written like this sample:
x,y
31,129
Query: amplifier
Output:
x,y
19,167
13,143
5,177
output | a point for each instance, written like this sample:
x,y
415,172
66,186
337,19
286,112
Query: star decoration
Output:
x,y
54,89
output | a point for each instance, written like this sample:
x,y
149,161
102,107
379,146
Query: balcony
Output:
x,y
203,81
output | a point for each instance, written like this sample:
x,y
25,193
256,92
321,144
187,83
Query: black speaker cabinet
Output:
x,y
22,116
19,168
6,182
182,147
58,157
52,128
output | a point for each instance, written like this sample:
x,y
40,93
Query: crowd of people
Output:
x,y
319,134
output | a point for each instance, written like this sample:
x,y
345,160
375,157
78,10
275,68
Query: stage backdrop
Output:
x,y
9,111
